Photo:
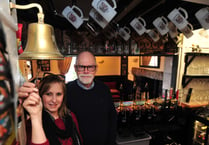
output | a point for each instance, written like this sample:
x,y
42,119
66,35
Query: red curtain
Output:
x,y
64,64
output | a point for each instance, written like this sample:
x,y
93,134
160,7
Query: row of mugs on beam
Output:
x,y
102,12
178,23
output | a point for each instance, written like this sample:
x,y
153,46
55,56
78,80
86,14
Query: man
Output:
x,y
90,100
92,103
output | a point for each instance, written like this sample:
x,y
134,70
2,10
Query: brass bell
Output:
x,y
41,43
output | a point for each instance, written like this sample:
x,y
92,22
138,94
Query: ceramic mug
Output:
x,y
105,9
173,32
153,34
161,24
98,18
203,17
72,16
187,31
177,18
138,24
125,33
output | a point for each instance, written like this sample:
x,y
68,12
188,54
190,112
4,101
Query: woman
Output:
x,y
51,122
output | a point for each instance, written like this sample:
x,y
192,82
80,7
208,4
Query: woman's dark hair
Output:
x,y
46,83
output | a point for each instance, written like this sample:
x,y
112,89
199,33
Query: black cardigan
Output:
x,y
95,112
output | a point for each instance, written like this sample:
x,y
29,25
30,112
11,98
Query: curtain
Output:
x,y
64,64
145,60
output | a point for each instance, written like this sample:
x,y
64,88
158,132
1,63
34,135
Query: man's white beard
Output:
x,y
84,80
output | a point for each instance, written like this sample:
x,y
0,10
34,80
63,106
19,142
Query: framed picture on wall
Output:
x,y
150,61
44,65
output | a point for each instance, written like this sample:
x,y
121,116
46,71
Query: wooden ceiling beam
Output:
x,y
204,2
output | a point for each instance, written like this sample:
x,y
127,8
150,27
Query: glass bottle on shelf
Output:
x,y
119,48
134,47
107,47
69,49
134,91
146,89
126,49
74,47
121,92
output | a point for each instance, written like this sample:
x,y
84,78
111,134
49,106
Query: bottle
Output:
x,y
138,93
146,89
126,49
123,122
121,92
134,91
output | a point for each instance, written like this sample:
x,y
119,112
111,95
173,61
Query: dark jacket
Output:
x,y
95,111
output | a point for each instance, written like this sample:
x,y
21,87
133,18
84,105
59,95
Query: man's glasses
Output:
x,y
90,68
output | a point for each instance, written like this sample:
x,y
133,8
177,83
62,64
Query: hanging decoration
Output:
x,y
19,38
7,110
